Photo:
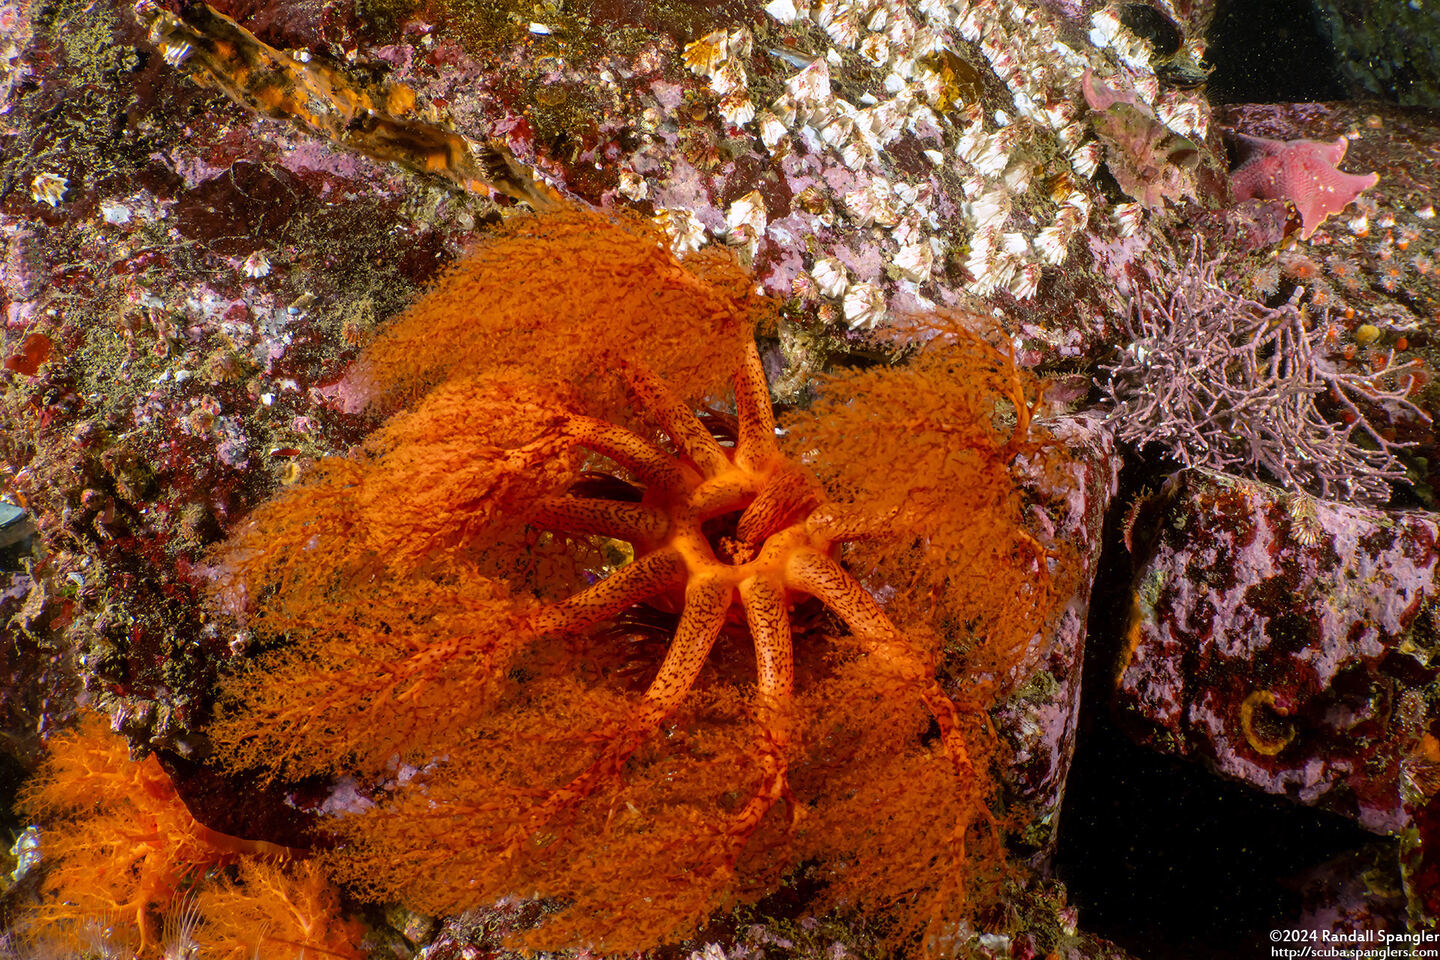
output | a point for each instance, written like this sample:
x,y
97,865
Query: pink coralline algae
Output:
x,y
1285,640
1301,171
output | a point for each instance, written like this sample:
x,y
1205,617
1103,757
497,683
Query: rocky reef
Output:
x,y
209,212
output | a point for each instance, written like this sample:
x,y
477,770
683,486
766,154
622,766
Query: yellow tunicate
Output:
x,y
1366,333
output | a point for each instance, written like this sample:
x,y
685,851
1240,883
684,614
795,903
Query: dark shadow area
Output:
x,y
1166,859
1271,51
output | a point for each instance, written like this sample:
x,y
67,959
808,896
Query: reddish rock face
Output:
x,y
1040,720
1288,642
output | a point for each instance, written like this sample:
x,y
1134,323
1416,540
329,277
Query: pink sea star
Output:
x,y
1301,171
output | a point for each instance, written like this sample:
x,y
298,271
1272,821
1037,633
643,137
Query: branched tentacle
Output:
x,y
756,447
632,522
769,622
651,465
827,581
786,500
707,600
633,583
678,421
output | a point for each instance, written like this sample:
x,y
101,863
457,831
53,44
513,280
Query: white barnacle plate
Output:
x,y
48,188
747,212
772,130
830,277
736,108
704,56
810,88
783,10
633,186
1085,159
1128,217
1026,281
256,265
914,261
686,232
864,305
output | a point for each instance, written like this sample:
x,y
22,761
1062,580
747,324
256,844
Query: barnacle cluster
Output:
x,y
927,73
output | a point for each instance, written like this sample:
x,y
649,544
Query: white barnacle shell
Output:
x,y
686,232
927,41
971,142
1018,174
864,305
1085,159
48,188
845,29
810,87
704,56
772,130
839,129
914,261
1105,28
876,49
1026,281
885,121
783,10
1147,87
1053,241
747,212
993,156
878,19
910,194
256,265
736,108
740,42
825,11
991,208
874,203
1014,245
1079,202
857,153
921,117
1001,55
633,186
1128,217
1184,116
1071,134
938,12
932,87
901,30
786,110
972,27
982,253
830,276
1057,114
729,78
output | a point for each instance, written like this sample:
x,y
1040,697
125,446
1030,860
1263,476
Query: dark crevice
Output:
x,y
1160,855
1271,51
